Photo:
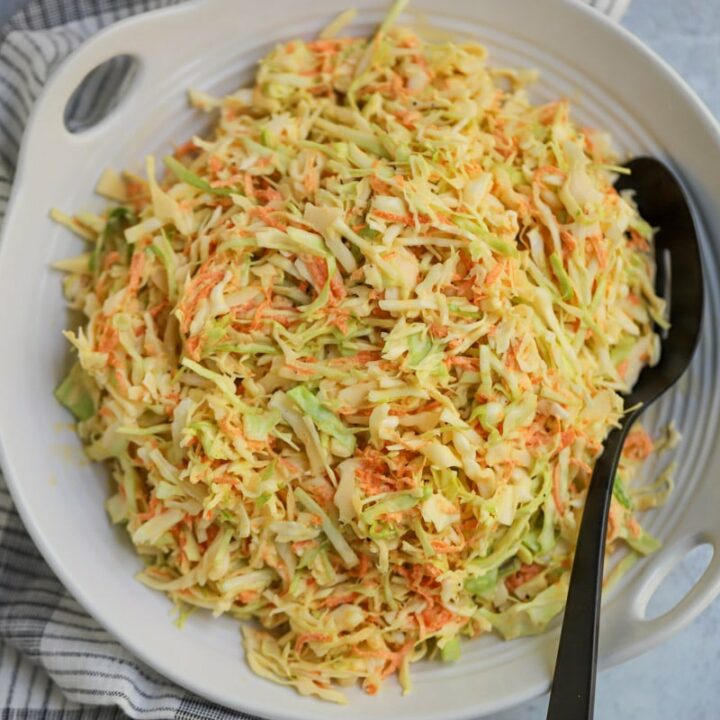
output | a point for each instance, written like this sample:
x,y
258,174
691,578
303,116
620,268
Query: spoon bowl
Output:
x,y
679,279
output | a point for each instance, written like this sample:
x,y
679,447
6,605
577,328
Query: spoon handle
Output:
x,y
573,689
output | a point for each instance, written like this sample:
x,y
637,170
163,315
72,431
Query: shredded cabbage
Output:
x,y
353,356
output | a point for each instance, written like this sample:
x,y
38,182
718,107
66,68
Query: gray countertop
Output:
x,y
681,677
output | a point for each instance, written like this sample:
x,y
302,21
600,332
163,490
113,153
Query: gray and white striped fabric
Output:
x,y
56,662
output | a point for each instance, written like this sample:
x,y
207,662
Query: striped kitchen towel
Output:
x,y
56,662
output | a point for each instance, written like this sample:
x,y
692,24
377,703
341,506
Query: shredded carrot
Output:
x,y
266,216
215,164
569,242
638,444
122,382
248,185
463,362
396,658
638,242
317,267
111,258
596,243
155,310
108,340
269,194
153,507
394,217
379,186
337,317
445,548
186,148
433,619
567,438
201,286
525,573
136,269
335,600
330,46
246,597
634,527
192,347
311,180
305,638
495,273
259,312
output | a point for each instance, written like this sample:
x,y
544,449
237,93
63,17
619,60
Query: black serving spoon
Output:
x,y
662,202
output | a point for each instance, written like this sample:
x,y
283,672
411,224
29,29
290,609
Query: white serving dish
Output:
x,y
615,83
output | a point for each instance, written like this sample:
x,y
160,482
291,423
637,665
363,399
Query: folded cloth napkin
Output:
x,y
56,662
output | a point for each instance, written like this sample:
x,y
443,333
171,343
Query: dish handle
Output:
x,y
630,619
136,37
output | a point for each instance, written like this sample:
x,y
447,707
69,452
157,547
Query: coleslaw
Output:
x,y
352,356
